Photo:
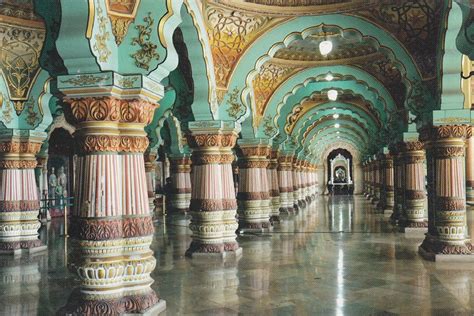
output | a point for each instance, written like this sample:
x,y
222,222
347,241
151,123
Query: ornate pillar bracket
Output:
x,y
19,200
111,227
254,204
447,236
213,203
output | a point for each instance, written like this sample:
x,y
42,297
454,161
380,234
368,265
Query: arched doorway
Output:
x,y
340,172
60,171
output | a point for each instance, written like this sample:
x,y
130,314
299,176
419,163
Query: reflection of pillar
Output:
x,y
213,204
111,227
274,188
253,196
150,166
446,184
470,171
285,183
180,197
19,201
414,174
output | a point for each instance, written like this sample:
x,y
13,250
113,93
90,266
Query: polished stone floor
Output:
x,y
336,257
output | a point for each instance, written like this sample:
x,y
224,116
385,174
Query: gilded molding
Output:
x,y
108,143
211,140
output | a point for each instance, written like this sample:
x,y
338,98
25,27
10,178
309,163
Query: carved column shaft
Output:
x,y
447,231
19,200
285,183
254,188
414,185
150,166
376,182
399,186
213,204
180,198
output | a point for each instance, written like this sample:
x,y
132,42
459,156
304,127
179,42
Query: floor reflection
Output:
x,y
338,256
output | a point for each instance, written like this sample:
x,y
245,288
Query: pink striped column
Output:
x,y
399,183
285,183
19,200
274,188
296,184
180,169
470,170
447,231
413,215
111,227
213,204
254,189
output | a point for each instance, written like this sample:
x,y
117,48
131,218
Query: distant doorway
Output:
x,y
340,172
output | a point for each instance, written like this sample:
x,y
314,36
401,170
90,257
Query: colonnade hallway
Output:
x,y
335,257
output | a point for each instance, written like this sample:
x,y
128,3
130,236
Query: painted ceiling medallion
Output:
x,y
121,13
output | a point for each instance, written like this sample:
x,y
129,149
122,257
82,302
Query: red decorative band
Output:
x,y
470,183
450,204
274,193
229,204
286,190
105,229
18,206
415,194
207,205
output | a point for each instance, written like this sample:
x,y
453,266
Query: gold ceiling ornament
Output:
x,y
84,80
7,110
20,48
296,7
268,128
102,37
147,51
230,34
264,85
121,14
32,116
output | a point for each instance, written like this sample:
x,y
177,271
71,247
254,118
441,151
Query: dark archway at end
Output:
x,y
340,180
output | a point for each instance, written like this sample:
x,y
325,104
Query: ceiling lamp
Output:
x,y
325,47
336,116
337,132
329,77
332,95
337,125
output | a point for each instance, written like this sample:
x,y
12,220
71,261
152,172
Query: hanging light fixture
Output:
x,y
329,77
332,95
336,116
325,47
337,125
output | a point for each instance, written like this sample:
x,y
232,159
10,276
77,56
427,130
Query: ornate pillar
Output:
x,y
470,170
370,179
150,166
254,190
274,188
111,226
413,215
180,198
213,205
42,181
285,183
399,184
387,195
19,200
376,181
447,233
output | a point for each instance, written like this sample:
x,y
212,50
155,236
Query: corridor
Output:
x,y
336,257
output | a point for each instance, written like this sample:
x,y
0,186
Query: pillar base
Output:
x,y
253,229
287,210
36,247
275,219
141,303
225,255
431,256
